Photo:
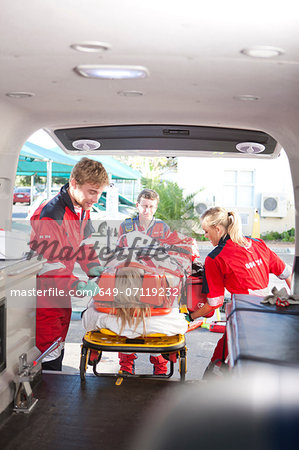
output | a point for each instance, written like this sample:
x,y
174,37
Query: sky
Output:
x,y
42,139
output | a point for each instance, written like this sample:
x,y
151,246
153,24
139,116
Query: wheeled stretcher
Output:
x,y
156,281
98,341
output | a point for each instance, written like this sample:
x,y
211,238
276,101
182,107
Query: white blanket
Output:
x,y
169,324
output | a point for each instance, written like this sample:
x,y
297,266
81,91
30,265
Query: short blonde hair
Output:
x,y
89,171
230,220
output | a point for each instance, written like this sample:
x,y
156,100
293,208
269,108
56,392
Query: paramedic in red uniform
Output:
x,y
144,222
60,231
240,265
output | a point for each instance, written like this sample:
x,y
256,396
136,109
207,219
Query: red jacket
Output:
x,y
241,270
59,236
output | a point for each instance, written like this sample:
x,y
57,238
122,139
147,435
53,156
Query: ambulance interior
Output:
x,y
158,79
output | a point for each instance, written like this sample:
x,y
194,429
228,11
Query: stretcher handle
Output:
x,y
46,352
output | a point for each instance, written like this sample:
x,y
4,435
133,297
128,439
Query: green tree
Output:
x,y
154,167
175,209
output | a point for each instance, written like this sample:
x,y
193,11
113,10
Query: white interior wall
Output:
x,y
15,127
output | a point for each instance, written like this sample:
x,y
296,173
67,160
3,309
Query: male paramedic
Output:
x,y
60,231
144,222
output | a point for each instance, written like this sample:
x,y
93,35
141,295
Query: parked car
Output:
x,y
22,195
97,212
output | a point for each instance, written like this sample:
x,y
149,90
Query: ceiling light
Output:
x,y
250,147
262,52
91,47
112,72
86,145
130,93
20,94
245,98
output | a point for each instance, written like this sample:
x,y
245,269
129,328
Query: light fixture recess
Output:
x,y
130,93
86,145
250,147
112,72
91,47
247,98
20,94
262,51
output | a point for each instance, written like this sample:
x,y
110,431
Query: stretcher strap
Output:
x,y
153,312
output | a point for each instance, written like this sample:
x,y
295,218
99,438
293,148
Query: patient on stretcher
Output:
x,y
139,292
134,310
141,285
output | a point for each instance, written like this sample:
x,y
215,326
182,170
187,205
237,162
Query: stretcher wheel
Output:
x,y
183,368
182,365
83,362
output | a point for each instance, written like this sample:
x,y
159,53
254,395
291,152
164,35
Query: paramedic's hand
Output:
x,y
96,271
90,288
188,317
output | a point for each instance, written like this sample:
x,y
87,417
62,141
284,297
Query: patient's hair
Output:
x,y
129,309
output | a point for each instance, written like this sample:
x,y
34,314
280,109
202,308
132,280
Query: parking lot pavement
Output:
x,y
19,211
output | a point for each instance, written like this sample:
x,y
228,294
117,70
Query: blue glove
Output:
x,y
96,271
188,317
90,288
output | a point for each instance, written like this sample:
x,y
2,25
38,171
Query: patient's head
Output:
x,y
128,284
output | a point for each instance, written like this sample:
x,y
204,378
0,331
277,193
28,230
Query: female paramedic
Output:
x,y
130,316
240,265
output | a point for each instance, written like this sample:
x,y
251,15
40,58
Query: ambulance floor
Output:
x,y
93,415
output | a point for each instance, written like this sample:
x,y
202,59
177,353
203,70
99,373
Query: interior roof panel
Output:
x,y
167,138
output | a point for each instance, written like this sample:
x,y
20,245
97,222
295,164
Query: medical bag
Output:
x,y
195,297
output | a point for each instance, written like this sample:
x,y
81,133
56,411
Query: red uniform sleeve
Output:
x,y
215,282
121,230
47,240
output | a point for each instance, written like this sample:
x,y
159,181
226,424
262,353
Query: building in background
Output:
x,y
243,185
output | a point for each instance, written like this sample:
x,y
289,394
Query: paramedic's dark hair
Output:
x,y
149,194
90,171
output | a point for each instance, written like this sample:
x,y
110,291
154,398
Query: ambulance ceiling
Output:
x,y
170,140
213,65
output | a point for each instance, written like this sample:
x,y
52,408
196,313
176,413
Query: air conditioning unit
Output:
x,y
273,205
200,208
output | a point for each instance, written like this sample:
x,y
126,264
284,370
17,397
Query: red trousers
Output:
x,y
220,352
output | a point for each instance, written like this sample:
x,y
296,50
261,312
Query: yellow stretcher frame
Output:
x,y
106,340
